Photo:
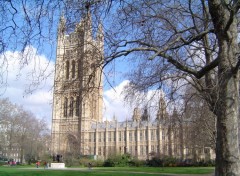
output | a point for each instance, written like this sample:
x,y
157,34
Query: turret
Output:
x,y
145,115
161,114
61,27
88,29
136,114
175,114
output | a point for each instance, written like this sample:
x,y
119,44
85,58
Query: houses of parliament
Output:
x,y
77,118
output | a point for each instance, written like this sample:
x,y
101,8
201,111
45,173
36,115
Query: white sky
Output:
x,y
114,104
19,81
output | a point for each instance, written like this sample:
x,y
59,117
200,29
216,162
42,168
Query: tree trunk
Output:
x,y
21,155
227,145
181,142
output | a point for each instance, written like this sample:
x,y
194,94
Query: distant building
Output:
x,y
9,151
77,122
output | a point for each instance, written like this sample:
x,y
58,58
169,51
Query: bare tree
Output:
x,y
21,130
26,24
191,42
200,121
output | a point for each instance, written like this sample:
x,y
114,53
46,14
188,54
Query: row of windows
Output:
x,y
13,148
11,154
132,149
71,106
122,136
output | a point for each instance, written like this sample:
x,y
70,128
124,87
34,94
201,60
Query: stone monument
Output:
x,y
57,162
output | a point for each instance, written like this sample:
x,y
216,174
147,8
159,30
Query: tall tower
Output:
x,y
162,110
77,98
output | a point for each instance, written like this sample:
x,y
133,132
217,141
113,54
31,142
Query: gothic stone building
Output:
x,y
77,122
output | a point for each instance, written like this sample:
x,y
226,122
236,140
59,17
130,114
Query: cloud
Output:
x,y
114,104
27,80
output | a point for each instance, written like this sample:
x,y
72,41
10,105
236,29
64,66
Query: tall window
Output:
x,y
141,136
109,136
135,136
78,69
77,106
67,69
146,135
141,150
99,151
73,69
65,107
153,134
130,136
163,135
71,107
152,148
99,137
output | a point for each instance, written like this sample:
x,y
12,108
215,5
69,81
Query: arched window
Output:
x,y
78,71
67,69
77,106
71,107
73,69
65,107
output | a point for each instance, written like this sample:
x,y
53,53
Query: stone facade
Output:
x,y
77,125
77,97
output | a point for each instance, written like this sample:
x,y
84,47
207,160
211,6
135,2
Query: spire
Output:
x,y
79,26
100,36
61,26
145,116
88,27
87,5
114,117
175,114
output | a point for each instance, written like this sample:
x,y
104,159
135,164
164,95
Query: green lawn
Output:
x,y
111,171
173,170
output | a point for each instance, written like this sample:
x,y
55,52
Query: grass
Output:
x,y
173,170
110,171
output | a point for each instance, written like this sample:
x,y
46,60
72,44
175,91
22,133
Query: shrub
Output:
x,y
154,162
3,162
97,163
137,163
118,160
169,161
203,163
71,160
109,163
